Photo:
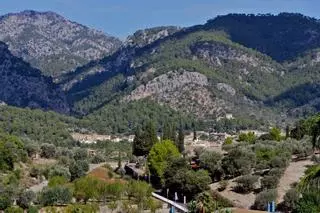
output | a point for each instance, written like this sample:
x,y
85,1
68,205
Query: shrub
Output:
x,y
278,172
290,199
80,154
32,209
14,210
59,171
246,183
278,162
35,172
48,150
55,196
309,202
78,169
228,141
5,201
25,199
57,181
223,185
97,159
269,182
263,198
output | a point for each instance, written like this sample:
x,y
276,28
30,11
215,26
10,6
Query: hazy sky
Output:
x,y
123,17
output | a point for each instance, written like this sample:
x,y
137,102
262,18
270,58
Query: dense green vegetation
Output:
x,y
275,35
36,125
126,117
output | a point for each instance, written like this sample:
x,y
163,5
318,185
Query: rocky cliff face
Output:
x,y
24,86
147,36
52,43
181,90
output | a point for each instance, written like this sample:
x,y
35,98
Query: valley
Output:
x,y
218,117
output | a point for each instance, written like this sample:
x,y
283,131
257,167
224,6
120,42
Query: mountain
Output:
x,y
246,65
24,86
52,43
283,37
235,64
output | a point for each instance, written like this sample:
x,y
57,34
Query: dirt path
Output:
x,y
291,175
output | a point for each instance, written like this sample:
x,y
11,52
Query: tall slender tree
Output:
x,y
180,140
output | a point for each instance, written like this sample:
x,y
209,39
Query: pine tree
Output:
x,y
137,145
180,140
166,131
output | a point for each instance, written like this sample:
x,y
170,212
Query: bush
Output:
x,y
48,150
14,210
57,181
98,159
278,172
80,154
78,169
269,182
223,185
278,162
55,196
290,199
35,172
32,209
5,201
228,141
309,202
59,171
25,199
246,183
238,162
263,198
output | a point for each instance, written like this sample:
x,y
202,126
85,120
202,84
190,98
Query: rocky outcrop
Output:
x,y
147,36
52,43
181,90
24,86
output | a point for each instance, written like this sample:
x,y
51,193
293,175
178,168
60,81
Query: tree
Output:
x,y
169,131
211,161
263,198
139,192
187,182
48,150
203,203
58,170
238,162
180,141
55,196
275,134
78,169
315,132
80,154
194,132
246,183
86,188
144,140
159,157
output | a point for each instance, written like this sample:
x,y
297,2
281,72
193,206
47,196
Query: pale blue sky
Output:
x,y
123,17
